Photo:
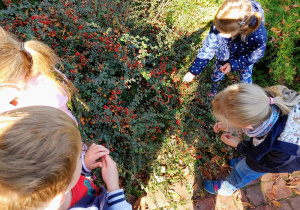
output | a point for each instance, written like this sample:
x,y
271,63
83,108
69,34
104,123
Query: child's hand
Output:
x,y
219,127
95,152
226,68
188,77
110,173
230,140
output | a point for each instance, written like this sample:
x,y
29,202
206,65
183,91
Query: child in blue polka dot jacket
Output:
x,y
237,38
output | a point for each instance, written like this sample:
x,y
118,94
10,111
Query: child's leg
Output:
x,y
216,77
240,176
246,75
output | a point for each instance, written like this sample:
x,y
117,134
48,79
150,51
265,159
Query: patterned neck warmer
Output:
x,y
264,128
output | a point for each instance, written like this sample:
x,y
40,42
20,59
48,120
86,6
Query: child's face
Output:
x,y
229,34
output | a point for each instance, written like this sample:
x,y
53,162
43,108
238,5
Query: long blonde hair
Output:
x,y
240,105
235,15
35,58
39,150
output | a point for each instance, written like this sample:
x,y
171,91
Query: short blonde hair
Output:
x,y
232,13
39,147
240,105
35,58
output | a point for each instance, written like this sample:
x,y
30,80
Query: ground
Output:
x,y
270,192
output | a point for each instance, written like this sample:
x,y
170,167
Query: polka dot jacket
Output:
x,y
233,50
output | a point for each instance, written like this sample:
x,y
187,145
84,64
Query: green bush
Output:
x,y
281,62
127,98
127,59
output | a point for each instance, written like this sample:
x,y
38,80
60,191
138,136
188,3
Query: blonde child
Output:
x,y
28,77
40,165
271,118
237,39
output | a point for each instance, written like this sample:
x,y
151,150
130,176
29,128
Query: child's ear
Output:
x,y
249,127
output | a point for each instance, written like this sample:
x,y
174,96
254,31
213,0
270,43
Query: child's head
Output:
x,y
234,17
21,60
39,154
241,105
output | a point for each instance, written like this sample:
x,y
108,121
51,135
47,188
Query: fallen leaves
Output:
x,y
271,194
207,174
276,30
248,205
293,183
276,203
286,8
215,159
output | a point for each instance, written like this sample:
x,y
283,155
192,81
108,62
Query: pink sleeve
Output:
x,y
43,91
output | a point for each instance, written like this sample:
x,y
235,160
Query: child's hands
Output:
x,y
219,127
188,77
95,152
230,140
110,173
226,68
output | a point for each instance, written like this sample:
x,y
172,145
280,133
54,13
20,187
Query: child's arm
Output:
x,y
188,77
206,53
219,127
230,140
254,54
226,68
89,160
110,175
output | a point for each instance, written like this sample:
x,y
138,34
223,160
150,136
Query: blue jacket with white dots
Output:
x,y
233,50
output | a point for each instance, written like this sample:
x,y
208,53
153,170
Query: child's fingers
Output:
x,y
100,155
103,161
225,137
216,128
109,161
98,148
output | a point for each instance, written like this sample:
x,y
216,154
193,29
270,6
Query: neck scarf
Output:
x,y
264,128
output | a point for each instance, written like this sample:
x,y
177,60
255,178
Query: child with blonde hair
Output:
x,y
40,148
271,118
28,77
237,39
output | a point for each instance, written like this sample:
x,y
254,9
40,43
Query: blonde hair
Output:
x,y
240,105
39,150
235,15
35,58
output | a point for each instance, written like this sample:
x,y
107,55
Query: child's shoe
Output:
x,y
217,188
234,161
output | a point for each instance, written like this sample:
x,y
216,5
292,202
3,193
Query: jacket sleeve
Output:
x,y
116,200
206,53
254,54
84,170
247,149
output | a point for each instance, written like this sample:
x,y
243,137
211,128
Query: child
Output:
x,y
40,164
237,38
271,117
28,77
